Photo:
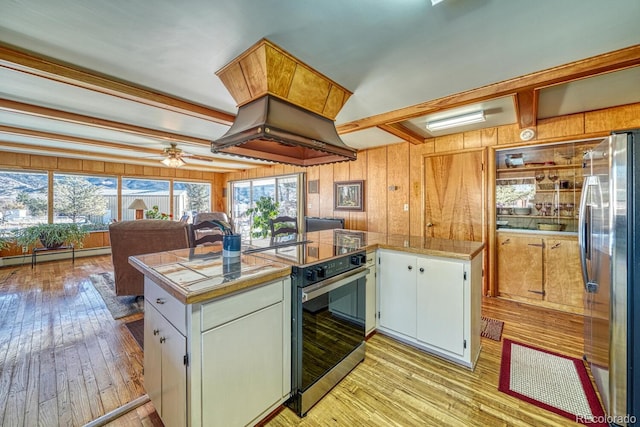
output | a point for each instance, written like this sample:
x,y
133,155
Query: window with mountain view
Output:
x,y
190,198
84,199
285,190
153,192
23,199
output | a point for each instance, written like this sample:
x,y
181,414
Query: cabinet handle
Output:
x,y
429,224
421,269
410,267
156,331
160,301
162,340
506,241
557,245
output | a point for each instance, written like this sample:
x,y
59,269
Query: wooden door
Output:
x,y
563,275
454,207
520,266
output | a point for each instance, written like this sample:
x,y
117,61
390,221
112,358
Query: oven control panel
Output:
x,y
310,274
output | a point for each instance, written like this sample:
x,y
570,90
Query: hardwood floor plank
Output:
x,y
64,360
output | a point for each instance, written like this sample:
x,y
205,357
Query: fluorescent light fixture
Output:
x,y
173,162
435,2
461,120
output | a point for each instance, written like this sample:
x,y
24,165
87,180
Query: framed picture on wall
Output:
x,y
348,196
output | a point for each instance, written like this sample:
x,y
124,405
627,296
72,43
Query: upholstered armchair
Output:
x,y
142,237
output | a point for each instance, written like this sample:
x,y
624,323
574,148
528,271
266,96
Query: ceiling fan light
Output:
x,y
173,162
461,120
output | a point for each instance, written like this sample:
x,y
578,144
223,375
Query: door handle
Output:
x,y
160,301
162,340
410,267
156,331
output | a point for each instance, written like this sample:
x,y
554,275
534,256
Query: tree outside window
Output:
x,y
77,200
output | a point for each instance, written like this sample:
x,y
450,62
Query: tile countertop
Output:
x,y
199,274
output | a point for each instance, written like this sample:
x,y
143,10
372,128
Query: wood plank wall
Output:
x,y
32,162
393,174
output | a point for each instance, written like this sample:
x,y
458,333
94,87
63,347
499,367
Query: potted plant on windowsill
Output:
x,y
50,235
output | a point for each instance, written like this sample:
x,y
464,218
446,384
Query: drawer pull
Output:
x,y
162,340
506,241
557,245
156,331
160,301
421,269
410,267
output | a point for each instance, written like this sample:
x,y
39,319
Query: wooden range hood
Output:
x,y
286,110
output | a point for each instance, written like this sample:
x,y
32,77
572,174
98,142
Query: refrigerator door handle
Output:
x,y
584,227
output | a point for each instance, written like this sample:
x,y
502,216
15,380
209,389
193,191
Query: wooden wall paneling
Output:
x,y
195,175
168,172
313,200
491,285
358,171
15,159
218,185
341,173
67,164
609,119
472,139
397,188
416,188
489,137
152,171
92,166
326,190
508,134
180,173
114,168
452,142
44,162
555,127
133,170
376,205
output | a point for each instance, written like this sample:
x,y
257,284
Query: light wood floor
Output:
x,y
65,361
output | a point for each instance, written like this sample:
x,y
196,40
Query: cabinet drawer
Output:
x,y
172,309
233,307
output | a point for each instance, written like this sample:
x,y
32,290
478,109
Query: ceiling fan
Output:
x,y
173,156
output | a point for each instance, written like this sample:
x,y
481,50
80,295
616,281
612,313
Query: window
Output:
x,y
23,199
152,192
83,199
286,190
190,198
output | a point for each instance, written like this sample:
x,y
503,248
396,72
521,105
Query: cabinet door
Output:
x,y
398,292
520,266
153,356
370,294
242,371
174,375
563,277
440,297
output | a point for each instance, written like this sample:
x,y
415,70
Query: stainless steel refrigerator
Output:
x,y
609,239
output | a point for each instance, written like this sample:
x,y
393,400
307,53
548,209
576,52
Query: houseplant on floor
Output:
x,y
50,235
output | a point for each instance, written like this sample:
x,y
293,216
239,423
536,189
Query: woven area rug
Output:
x,y
557,383
119,306
136,328
492,328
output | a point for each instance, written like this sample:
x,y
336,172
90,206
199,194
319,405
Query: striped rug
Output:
x,y
551,381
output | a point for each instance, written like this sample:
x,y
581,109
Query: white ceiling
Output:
x,y
390,54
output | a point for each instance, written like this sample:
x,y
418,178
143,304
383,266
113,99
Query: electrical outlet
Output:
x,y
406,207
24,249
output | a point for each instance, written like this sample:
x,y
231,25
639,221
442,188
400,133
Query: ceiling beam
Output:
x,y
402,132
605,63
50,113
116,147
526,103
40,66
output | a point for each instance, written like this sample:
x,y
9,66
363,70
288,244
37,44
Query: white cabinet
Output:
x,y
433,303
370,294
232,365
440,301
165,372
397,296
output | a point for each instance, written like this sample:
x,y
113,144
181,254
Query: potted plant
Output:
x,y
51,235
264,210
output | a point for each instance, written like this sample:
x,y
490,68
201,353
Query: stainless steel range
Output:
x,y
328,310
328,325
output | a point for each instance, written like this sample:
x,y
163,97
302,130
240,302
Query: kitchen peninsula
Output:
x,y
206,316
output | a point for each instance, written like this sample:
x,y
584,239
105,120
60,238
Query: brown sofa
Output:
x,y
142,237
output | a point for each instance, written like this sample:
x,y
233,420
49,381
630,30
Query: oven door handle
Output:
x,y
314,291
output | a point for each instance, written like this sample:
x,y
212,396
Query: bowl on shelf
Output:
x,y
522,211
501,224
504,211
550,227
